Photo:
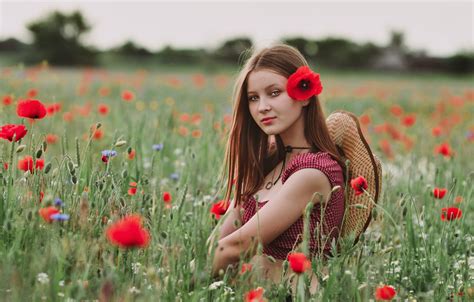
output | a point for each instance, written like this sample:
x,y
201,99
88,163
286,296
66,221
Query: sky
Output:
x,y
439,27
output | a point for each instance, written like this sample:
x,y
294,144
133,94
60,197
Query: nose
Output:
x,y
263,105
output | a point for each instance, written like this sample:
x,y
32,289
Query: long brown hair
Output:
x,y
248,158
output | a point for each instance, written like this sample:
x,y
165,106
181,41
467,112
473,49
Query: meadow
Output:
x,y
151,142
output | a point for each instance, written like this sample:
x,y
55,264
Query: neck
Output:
x,y
294,137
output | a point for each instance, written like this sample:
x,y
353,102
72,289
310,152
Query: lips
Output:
x,y
266,119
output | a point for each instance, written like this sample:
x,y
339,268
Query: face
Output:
x,y
269,104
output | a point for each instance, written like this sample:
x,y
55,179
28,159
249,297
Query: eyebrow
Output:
x,y
269,86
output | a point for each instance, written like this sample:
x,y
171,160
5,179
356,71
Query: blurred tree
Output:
x,y
129,48
233,51
57,39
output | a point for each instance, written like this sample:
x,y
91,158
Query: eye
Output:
x,y
252,98
276,92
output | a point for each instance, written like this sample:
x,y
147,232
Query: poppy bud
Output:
x,y
20,148
120,143
98,125
39,153
129,150
124,174
74,179
47,168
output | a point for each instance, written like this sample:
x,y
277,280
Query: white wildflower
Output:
x,y
42,278
216,285
136,267
61,283
134,290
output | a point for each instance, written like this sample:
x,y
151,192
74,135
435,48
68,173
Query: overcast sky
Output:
x,y
441,28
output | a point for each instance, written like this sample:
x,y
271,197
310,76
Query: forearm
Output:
x,y
224,255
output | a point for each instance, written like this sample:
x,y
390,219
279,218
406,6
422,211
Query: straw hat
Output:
x,y
344,129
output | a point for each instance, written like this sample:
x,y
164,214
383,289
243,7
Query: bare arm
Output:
x,y
273,219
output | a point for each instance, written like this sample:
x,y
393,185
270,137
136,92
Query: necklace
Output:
x,y
288,149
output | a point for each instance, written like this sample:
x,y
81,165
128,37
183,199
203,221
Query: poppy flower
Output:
x,y
254,295
128,95
246,267
32,93
53,108
26,164
166,197
364,119
409,120
68,116
196,133
219,208
439,192
10,130
359,184
436,131
184,117
46,213
103,109
445,150
298,262
33,109
303,84
396,110
7,100
133,188
128,233
131,154
385,292
450,213
51,138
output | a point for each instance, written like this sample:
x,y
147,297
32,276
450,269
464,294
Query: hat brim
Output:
x,y
345,131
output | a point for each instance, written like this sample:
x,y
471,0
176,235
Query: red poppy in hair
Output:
x,y
10,130
303,84
450,213
31,109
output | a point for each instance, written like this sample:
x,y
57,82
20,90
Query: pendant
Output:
x,y
269,185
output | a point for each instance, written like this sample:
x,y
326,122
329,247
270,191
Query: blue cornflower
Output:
x,y
157,147
58,202
109,153
174,176
60,217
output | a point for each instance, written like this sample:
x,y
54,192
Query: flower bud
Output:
x,y
47,168
20,148
39,153
120,143
98,125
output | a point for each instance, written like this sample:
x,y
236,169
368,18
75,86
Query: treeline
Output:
x,y
58,37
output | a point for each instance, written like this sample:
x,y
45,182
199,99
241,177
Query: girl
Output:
x,y
279,154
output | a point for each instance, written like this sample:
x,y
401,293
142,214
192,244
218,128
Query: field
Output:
x,y
166,131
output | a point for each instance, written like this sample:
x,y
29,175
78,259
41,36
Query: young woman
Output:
x,y
278,155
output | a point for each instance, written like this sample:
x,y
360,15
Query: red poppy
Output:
x,y
409,120
33,109
104,91
26,164
7,100
246,267
364,119
450,213
133,188
131,155
32,93
128,95
436,131
219,208
51,138
359,184
298,262
445,150
98,134
10,130
255,295
53,108
128,232
396,110
439,192
68,116
385,292
303,84
46,213
166,197
5,166
103,109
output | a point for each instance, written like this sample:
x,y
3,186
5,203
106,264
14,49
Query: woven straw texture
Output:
x,y
345,131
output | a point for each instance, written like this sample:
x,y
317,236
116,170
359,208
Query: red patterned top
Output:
x,y
333,214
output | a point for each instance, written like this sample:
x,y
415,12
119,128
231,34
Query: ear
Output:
x,y
305,103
